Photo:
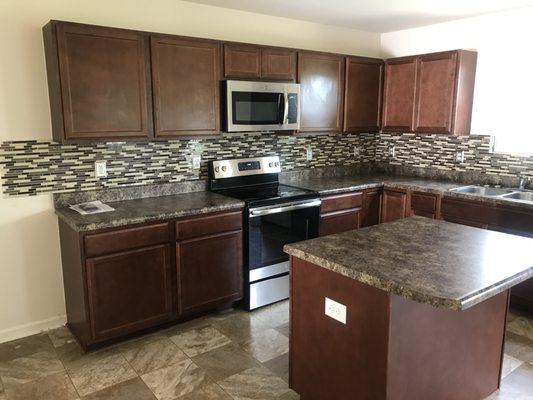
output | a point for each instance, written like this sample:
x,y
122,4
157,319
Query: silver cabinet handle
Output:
x,y
284,208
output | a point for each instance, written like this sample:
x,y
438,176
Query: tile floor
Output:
x,y
232,355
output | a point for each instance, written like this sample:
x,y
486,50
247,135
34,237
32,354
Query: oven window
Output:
x,y
268,234
254,108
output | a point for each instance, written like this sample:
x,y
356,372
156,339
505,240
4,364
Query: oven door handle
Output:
x,y
283,208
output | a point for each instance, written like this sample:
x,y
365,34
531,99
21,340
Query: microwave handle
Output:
x,y
281,108
285,108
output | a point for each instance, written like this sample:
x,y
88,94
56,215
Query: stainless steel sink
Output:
x,y
525,196
483,191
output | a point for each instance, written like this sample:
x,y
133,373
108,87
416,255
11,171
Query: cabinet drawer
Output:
x,y
208,225
126,239
339,221
424,202
341,202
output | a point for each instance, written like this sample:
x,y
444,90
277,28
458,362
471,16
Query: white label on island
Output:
x,y
335,310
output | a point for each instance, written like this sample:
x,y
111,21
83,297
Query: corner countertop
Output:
x,y
343,184
150,209
430,261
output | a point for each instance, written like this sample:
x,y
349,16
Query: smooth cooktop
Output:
x,y
268,194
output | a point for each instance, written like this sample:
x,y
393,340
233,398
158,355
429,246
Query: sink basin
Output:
x,y
526,196
484,191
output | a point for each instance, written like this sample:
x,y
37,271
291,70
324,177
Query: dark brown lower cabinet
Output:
x,y
209,270
425,205
129,291
395,205
126,280
371,212
340,213
340,221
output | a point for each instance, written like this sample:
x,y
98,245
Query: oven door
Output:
x,y
272,227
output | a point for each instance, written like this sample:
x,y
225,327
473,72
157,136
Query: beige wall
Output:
x,y
503,87
31,294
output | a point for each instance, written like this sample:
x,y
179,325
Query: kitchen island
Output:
x,y
413,309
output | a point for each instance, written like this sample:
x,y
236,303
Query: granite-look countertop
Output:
x,y
343,184
430,261
150,209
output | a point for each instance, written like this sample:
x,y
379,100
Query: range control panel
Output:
x,y
245,166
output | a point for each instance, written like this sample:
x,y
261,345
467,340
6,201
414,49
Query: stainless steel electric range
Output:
x,y
275,215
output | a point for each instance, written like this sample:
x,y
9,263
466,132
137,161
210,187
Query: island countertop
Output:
x,y
430,261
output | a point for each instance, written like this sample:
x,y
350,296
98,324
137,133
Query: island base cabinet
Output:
x,y
389,347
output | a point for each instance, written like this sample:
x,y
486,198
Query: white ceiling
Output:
x,y
371,15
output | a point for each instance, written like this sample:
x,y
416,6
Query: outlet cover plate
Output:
x,y
309,153
335,310
100,169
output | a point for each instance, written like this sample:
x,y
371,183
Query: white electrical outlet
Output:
x,y
100,169
356,151
392,151
309,153
460,157
335,310
196,159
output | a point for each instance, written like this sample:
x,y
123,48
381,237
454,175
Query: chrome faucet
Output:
x,y
523,183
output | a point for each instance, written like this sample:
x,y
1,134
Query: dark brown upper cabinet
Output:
x,y
99,82
257,62
278,64
445,91
185,75
321,78
362,95
430,93
399,95
242,61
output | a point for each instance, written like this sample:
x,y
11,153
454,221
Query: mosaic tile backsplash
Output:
x,y
34,167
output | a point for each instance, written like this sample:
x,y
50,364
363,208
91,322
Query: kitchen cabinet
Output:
x,y
371,212
242,61
362,95
278,64
340,213
186,74
399,90
122,281
209,261
257,62
395,205
99,82
425,205
429,93
321,78
129,291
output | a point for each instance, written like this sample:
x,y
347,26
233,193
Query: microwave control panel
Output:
x,y
292,114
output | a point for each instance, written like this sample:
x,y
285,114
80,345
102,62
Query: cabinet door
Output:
x,y
186,86
129,291
435,92
425,205
321,78
209,271
278,64
371,212
242,61
362,95
339,221
394,206
399,95
105,82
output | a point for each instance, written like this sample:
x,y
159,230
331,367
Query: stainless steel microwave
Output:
x,y
261,106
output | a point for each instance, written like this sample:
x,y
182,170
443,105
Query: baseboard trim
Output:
x,y
31,328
